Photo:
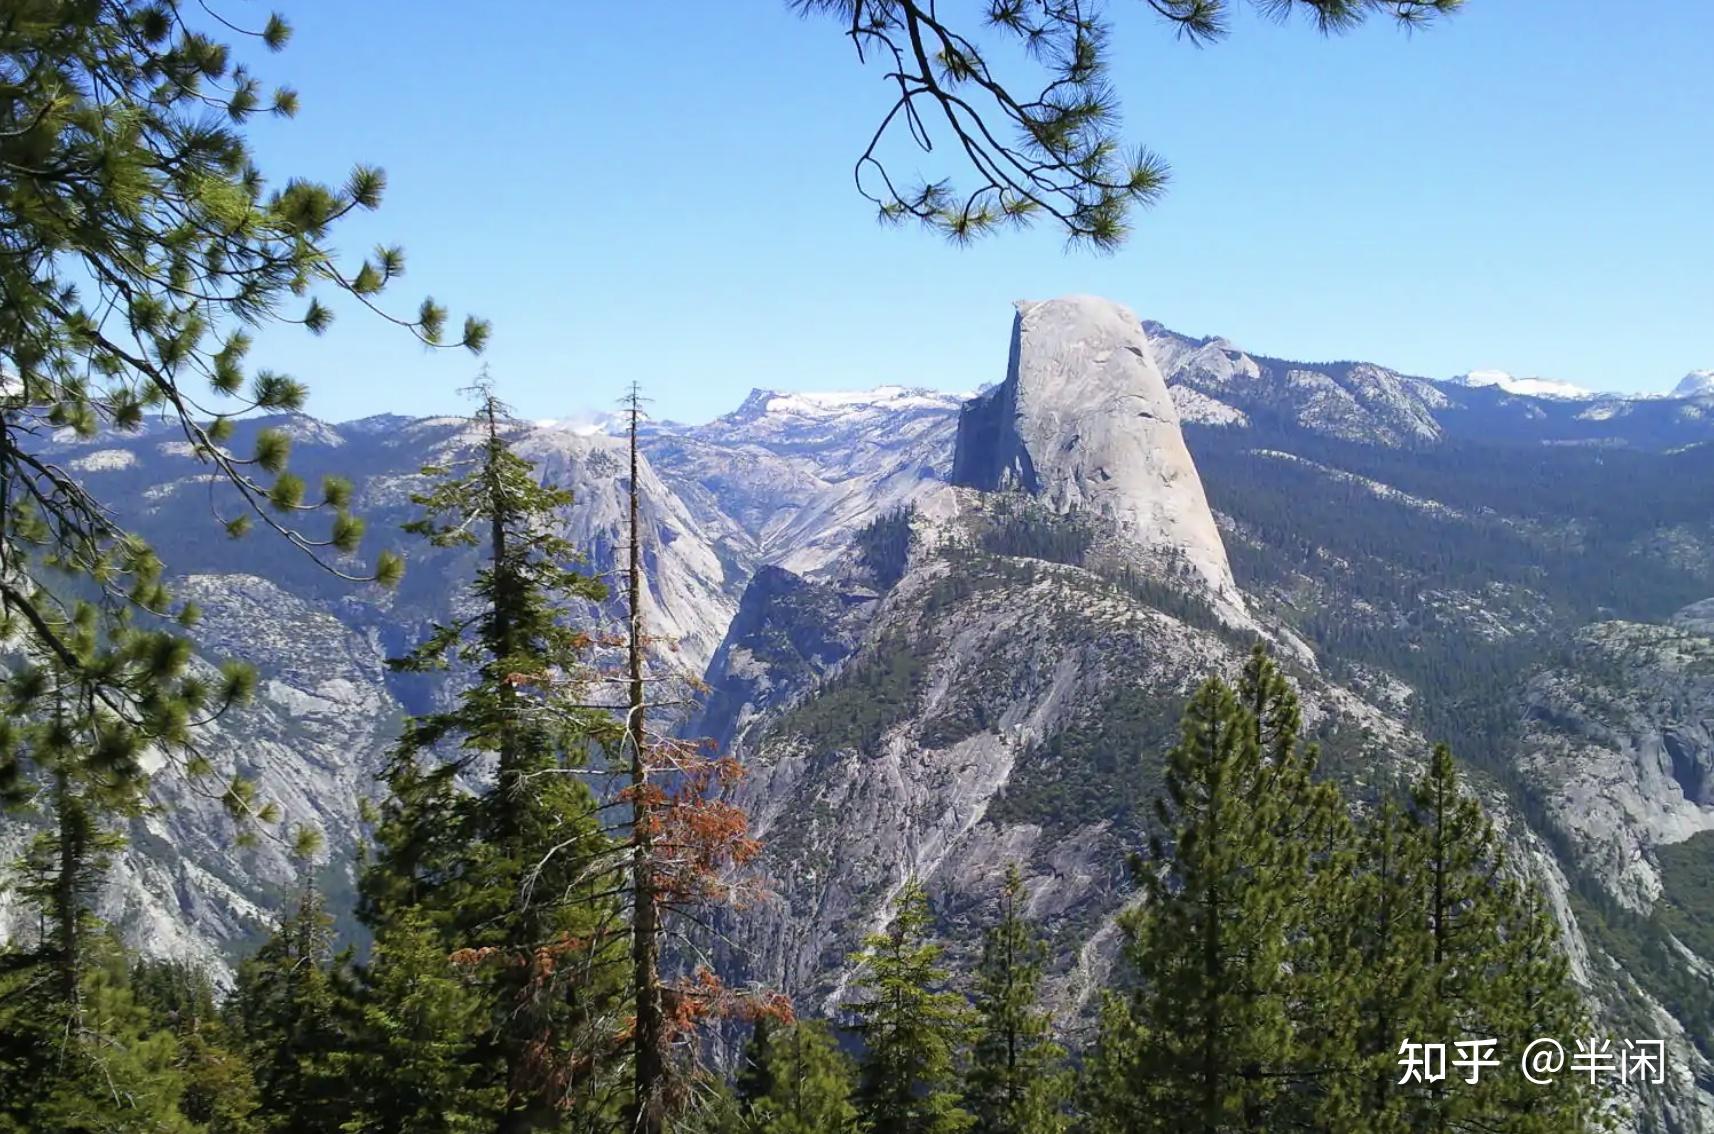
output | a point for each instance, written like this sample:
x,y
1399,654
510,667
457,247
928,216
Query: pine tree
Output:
x,y
1207,943
809,1084
1308,866
651,1041
1462,872
105,1068
911,1027
69,755
77,1025
1111,1078
1381,996
411,1068
1445,945
1284,954
289,1011
1534,996
1071,168
755,1078
517,878
141,247
1229,944
688,847
1016,1082
716,1111
219,1090
1492,969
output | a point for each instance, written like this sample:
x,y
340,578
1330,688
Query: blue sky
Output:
x,y
661,191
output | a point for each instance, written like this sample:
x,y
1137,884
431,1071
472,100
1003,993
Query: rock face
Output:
x,y
1084,422
1620,737
788,632
798,473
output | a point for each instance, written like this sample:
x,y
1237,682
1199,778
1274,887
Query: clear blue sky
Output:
x,y
660,190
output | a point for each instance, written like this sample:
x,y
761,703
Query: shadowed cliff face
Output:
x,y
1084,423
989,454
788,632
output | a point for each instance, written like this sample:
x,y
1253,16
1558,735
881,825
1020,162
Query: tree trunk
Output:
x,y
645,927
73,847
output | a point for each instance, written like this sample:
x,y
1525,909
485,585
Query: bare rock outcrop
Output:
x,y
1084,422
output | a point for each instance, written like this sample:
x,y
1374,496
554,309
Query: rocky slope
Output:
x,y
798,473
1217,384
326,708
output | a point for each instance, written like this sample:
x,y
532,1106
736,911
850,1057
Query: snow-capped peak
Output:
x,y
819,407
1696,384
821,403
1525,387
584,423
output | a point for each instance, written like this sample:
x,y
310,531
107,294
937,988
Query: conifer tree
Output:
x,y
1111,1079
755,1078
1491,968
1533,996
1461,879
1208,944
291,1016
1384,987
808,1084
489,833
911,1026
70,757
77,766
1308,867
1229,944
1053,155
1016,1083
140,246
412,1067
1283,955
108,1070
651,1042
1445,945
219,1094
687,846
716,1111
141,249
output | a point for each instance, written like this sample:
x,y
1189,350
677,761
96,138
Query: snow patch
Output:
x,y
105,460
1524,387
1696,384
821,403
585,423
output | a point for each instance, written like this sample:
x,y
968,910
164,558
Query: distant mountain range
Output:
x,y
1696,384
950,632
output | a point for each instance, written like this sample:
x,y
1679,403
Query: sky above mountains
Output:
x,y
662,192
